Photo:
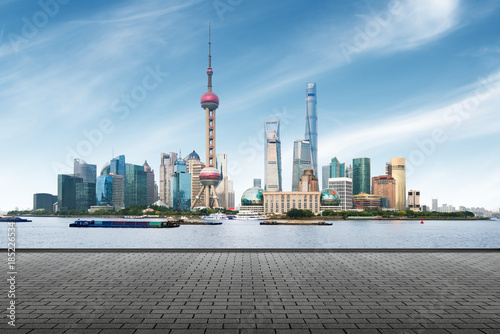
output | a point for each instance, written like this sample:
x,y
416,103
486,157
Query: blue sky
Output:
x,y
418,79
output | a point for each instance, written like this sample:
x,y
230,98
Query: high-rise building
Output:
x,y
257,183
135,185
85,191
223,188
118,191
150,184
180,187
343,187
231,196
325,175
66,191
342,170
311,132
166,169
104,190
194,167
335,167
385,187
361,176
209,176
272,158
397,169
414,200
308,181
348,172
435,205
117,166
301,161
84,170
43,201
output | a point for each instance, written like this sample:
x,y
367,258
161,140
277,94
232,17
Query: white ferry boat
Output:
x,y
215,216
247,215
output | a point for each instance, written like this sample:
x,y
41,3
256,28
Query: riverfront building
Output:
x,y
44,201
311,133
364,201
414,200
301,161
361,176
385,187
66,191
252,200
343,187
397,169
279,202
272,155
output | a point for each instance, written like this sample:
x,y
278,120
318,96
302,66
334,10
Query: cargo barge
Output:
x,y
124,223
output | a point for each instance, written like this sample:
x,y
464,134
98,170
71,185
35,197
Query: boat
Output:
x,y
215,216
124,223
247,215
12,219
269,223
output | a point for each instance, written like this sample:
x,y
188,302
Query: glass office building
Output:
x,y
361,179
104,190
180,187
66,191
135,185
301,161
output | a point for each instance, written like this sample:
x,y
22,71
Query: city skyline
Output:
x,y
127,78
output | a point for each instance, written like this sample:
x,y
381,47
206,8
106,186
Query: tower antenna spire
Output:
x,y
209,69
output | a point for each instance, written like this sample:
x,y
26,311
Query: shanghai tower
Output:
x,y
312,124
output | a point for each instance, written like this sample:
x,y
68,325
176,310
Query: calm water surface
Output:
x,y
55,233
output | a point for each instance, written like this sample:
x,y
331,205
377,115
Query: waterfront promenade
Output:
x,y
257,291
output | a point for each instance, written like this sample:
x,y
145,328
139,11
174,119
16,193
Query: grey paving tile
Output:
x,y
275,292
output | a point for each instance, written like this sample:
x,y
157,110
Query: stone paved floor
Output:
x,y
257,292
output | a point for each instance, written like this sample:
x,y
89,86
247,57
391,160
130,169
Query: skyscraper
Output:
x,y
209,176
166,169
414,200
308,181
118,191
435,206
301,161
180,187
342,170
222,188
84,170
385,187
104,190
397,169
335,167
135,185
230,195
272,155
325,175
85,191
312,124
194,167
117,166
361,176
66,191
150,184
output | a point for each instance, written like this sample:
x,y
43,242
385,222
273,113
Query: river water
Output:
x,y
54,232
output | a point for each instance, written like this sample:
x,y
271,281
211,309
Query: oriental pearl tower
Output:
x,y
209,176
